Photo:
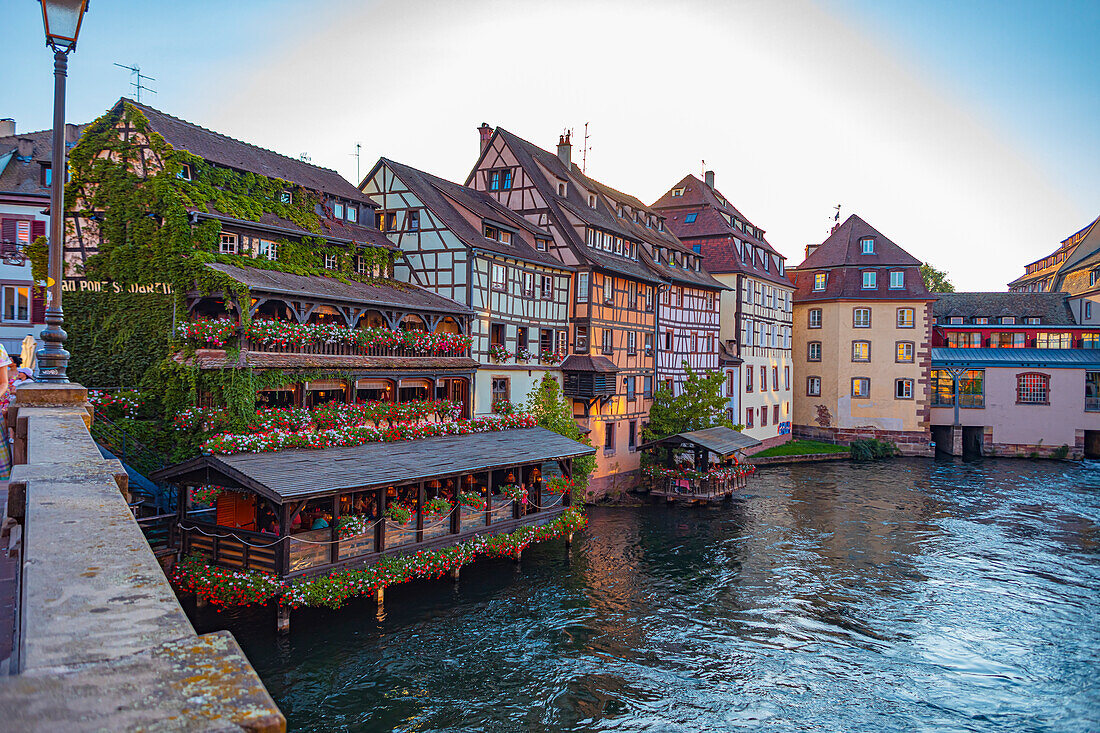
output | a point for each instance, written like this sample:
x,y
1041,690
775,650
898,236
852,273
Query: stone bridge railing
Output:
x,y
101,642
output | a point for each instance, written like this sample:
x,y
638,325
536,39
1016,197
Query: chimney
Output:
x,y
708,177
486,132
810,249
565,150
7,127
26,148
71,134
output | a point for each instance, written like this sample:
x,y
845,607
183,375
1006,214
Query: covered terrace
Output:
x,y
700,465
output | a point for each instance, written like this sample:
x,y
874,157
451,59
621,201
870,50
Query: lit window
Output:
x,y
861,351
897,280
494,180
228,244
955,320
904,352
903,389
861,317
819,281
17,300
506,178
870,280
690,218
861,387
1031,321
981,320
867,245
1032,389
905,317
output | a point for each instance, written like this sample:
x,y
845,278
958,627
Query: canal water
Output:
x,y
905,595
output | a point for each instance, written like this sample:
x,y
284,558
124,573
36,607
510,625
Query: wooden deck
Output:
x,y
692,491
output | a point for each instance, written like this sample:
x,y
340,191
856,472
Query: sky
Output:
x,y
966,132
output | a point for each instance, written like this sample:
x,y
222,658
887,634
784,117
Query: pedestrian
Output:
x,y
7,393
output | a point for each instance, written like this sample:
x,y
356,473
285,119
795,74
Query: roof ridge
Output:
x,y
143,106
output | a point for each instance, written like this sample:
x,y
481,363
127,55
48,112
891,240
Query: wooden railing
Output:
x,y
343,349
236,548
699,488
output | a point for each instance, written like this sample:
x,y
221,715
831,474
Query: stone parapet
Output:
x,y
909,443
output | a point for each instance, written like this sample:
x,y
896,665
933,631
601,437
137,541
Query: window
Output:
x,y
529,284
523,340
690,218
285,197
1008,320
648,299
749,414
905,317
870,280
813,351
592,200
1009,340
17,303
647,385
813,386
607,341
580,340
775,414
1092,391
867,245
499,277
353,212
955,320
380,221
1054,341
361,266
981,320
1088,309
582,287
632,295
546,287
815,318
541,244
1090,341
903,389
330,262
649,344
861,317
748,378
228,244
497,334
609,437
897,280
903,352
494,180
506,178
184,172
608,289
268,250
764,416
501,388
786,378
629,383
763,378
1094,277
861,351
22,231
632,440
677,192
412,220
775,378
338,210
1032,389
631,342
861,387
668,340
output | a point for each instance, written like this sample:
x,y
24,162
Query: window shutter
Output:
x,y
38,305
38,229
7,230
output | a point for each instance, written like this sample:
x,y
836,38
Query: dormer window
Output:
x,y
819,281
677,192
690,218
870,280
561,189
353,213
592,200
660,225
361,264
981,320
330,262
184,172
1008,320
867,245
412,220
620,212
897,279
285,197
268,250
540,245
228,244
338,210
955,320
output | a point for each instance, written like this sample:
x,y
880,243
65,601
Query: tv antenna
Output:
x,y
836,216
136,79
703,168
584,150
356,154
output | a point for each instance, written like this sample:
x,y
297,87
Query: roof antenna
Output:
x,y
703,168
584,150
136,79
356,154
836,219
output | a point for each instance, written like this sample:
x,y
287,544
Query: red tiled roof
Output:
x,y
842,248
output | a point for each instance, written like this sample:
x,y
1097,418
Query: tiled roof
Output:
x,y
842,248
1025,358
690,277
387,294
25,177
1087,244
233,153
441,196
216,359
588,363
846,283
1050,308
330,228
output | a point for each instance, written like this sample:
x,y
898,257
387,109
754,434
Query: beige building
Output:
x,y
862,338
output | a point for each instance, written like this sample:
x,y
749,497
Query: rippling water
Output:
x,y
912,595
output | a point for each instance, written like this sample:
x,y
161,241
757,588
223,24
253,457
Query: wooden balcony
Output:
x,y
337,349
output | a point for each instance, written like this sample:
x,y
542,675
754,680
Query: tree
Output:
x,y
700,405
935,280
555,413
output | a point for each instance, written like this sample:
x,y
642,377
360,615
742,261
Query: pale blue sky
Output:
x,y
968,132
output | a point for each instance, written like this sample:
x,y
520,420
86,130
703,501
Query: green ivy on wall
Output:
x,y
115,338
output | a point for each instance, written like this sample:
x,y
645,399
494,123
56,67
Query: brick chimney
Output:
x,y
26,148
7,127
708,177
810,249
565,150
486,132
71,134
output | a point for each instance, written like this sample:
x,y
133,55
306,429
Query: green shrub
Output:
x,y
871,449
1061,452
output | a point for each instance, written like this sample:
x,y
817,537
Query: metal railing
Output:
x,y
140,458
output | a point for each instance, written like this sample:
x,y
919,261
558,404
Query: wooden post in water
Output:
x,y
282,618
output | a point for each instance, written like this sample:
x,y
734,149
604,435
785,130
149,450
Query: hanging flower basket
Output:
x,y
472,500
438,507
398,513
514,492
353,526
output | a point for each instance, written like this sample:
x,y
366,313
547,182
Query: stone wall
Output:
x,y
909,443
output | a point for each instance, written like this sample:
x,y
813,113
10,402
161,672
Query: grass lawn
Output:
x,y
800,448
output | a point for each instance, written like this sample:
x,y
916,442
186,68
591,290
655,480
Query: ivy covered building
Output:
x,y
262,274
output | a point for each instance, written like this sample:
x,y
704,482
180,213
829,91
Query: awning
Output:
x,y
300,474
720,440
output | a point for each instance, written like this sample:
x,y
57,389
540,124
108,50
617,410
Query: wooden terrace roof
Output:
x,y
305,474
720,440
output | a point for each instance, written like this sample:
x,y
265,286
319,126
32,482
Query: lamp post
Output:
x,y
61,19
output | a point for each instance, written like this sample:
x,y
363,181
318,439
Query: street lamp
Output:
x,y
61,19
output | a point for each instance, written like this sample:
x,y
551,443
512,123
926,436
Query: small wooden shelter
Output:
x,y
701,465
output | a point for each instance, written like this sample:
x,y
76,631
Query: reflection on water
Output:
x,y
905,595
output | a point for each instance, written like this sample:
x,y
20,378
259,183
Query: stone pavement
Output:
x,y
9,568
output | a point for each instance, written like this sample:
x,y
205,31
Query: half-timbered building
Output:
x,y
462,243
283,271
610,370
756,306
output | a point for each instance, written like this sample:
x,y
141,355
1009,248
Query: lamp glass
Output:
x,y
61,19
